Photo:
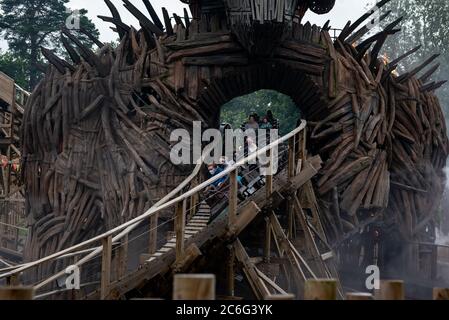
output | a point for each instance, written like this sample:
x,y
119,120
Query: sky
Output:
x,y
344,10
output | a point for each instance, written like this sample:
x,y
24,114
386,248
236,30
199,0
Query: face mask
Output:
x,y
212,171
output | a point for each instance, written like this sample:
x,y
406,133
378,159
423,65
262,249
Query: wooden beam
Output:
x,y
269,176
122,260
246,216
359,296
291,158
231,272
180,223
194,287
267,246
17,293
320,289
259,288
106,266
233,199
153,233
190,255
390,290
440,293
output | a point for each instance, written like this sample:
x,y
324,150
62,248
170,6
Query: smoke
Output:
x,y
441,238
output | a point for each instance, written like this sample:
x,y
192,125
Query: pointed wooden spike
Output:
x,y
376,50
345,30
42,67
121,28
377,36
417,69
432,86
91,37
149,26
59,64
426,76
405,55
345,33
381,41
153,14
178,20
71,51
365,45
167,21
87,54
186,18
326,26
360,33
116,16
392,65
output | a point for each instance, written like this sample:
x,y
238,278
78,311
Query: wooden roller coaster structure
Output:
x,y
96,152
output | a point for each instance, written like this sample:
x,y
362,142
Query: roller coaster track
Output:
x,y
195,225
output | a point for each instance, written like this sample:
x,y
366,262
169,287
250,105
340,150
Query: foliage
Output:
x,y
15,67
29,24
236,111
425,23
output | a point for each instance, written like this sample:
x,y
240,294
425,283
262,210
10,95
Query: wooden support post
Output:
x,y
303,155
122,259
390,290
320,289
106,266
194,287
258,286
359,296
231,272
191,253
440,293
153,233
247,214
267,247
17,293
233,199
269,176
291,158
180,223
291,218
193,205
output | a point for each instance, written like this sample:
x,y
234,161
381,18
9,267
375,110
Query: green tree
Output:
x,y
14,67
236,111
426,23
28,24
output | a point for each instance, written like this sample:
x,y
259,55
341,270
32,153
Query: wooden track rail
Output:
x,y
188,234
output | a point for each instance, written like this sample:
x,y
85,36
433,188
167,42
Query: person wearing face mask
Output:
x,y
213,171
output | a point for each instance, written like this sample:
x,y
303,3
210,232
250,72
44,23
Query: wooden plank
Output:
x,y
194,287
247,214
441,294
259,288
106,266
233,199
6,89
16,293
390,290
320,289
359,296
